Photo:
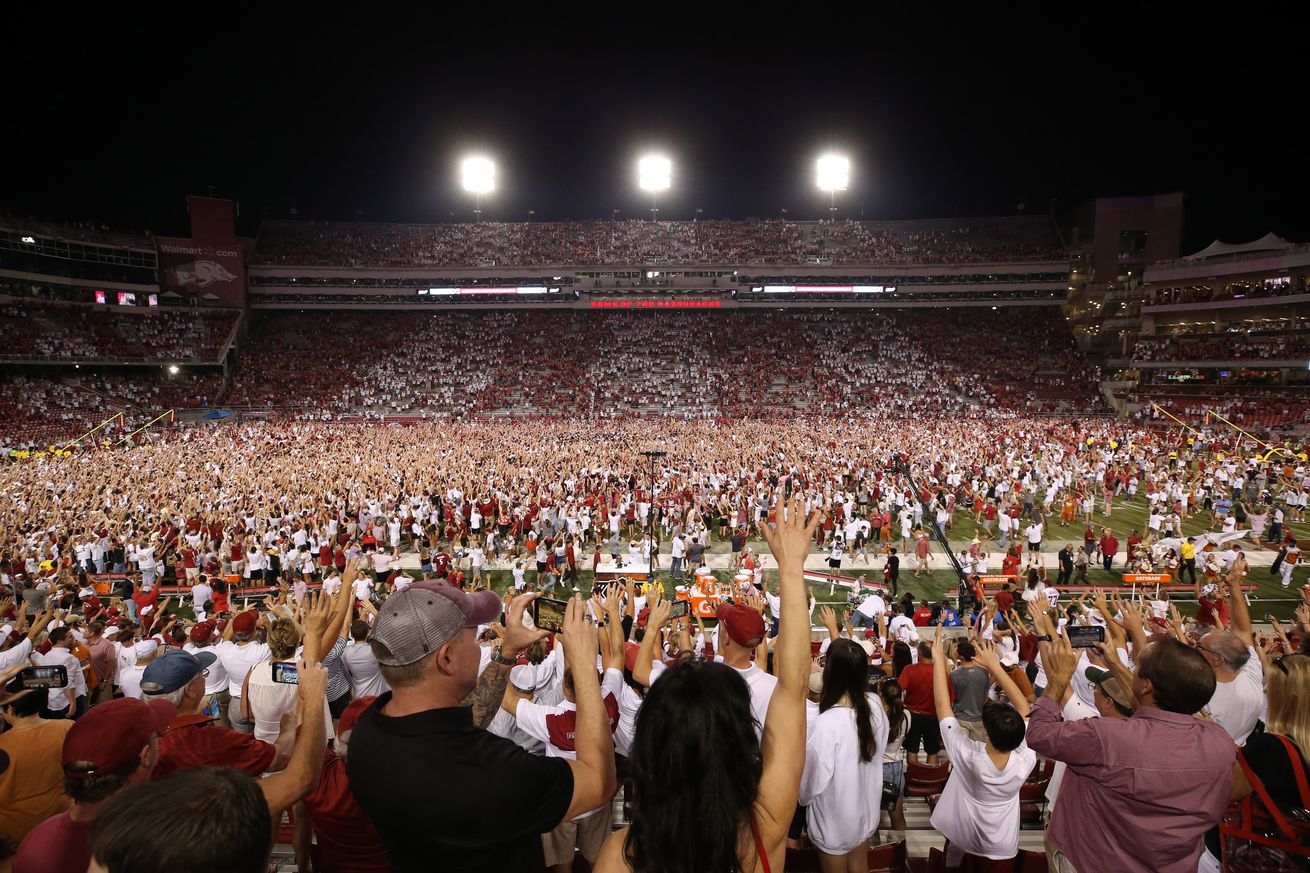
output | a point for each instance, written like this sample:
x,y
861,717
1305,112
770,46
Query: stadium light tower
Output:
x,y
655,174
479,175
833,175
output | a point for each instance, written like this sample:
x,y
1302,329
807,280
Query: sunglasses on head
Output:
x,y
1278,662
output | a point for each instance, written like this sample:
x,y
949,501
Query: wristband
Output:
x,y
498,658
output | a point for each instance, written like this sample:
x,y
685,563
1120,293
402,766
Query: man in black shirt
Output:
x,y
1066,565
443,793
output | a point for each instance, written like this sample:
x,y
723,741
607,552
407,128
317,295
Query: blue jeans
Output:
x,y
676,568
860,620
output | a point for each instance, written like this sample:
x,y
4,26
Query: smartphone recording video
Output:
x,y
679,608
285,672
1084,636
548,615
54,676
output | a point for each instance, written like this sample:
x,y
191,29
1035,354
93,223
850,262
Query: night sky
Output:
x,y
342,117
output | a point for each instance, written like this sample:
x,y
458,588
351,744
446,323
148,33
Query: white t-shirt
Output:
x,y
362,667
629,706
872,606
215,676
979,809
129,680
237,661
1074,710
761,686
843,793
555,725
58,700
1236,706
892,754
17,655
902,629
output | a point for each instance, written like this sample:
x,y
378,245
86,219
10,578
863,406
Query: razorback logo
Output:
x,y
202,274
563,726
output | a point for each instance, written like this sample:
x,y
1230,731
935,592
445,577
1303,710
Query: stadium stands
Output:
x,y
51,331
667,242
683,364
1237,345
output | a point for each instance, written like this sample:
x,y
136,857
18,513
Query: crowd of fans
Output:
x,y
672,363
1272,408
34,411
422,705
1234,345
1153,296
77,231
665,242
50,331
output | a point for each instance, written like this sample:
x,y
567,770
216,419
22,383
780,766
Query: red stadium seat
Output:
x,y
923,780
888,858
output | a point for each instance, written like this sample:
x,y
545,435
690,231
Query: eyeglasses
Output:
x,y
1278,662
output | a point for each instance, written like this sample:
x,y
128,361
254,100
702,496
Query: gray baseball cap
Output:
x,y
415,622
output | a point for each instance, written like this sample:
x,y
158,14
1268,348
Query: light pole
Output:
x,y
479,177
654,174
833,174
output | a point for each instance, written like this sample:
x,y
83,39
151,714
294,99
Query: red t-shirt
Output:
x,y
922,616
1213,612
1004,601
55,845
916,682
346,840
195,741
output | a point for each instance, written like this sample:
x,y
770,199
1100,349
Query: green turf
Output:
x,y
1269,597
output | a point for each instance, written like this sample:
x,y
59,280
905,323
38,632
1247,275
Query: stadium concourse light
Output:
x,y
655,174
833,175
479,175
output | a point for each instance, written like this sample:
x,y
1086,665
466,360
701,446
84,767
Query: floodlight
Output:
x,y
172,369
479,175
834,173
655,173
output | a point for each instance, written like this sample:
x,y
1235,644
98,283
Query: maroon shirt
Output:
x,y
1158,780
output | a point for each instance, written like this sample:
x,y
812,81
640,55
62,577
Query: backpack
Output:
x,y
1258,836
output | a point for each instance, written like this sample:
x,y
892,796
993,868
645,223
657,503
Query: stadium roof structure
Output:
x,y
1268,243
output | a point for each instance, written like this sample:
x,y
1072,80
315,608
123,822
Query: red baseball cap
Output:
x,y
744,625
202,631
112,734
244,623
630,650
643,617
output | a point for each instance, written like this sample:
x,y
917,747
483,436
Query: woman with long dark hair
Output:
x,y
902,657
893,756
709,795
842,785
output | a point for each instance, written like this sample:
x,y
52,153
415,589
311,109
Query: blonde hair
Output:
x,y
1289,700
283,638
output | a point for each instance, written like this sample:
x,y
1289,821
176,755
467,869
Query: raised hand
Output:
x,y
985,655
517,636
1059,659
828,618
579,637
790,539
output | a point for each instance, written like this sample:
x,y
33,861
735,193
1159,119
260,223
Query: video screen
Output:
x,y
126,298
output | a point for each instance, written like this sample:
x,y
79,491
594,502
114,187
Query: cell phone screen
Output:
x,y
679,609
285,673
1085,636
54,676
548,615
